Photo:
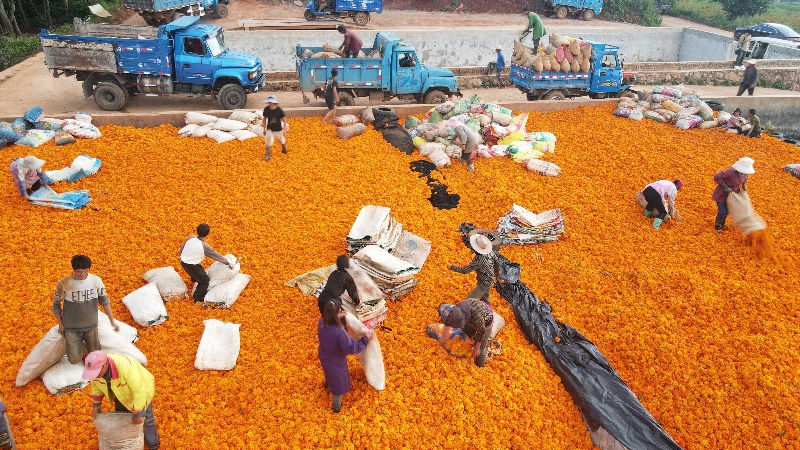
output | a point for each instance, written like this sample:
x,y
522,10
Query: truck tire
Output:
x,y
587,15
361,18
346,99
309,15
561,12
232,96
221,11
435,97
554,95
110,96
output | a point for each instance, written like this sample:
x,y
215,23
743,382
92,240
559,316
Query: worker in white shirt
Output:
x,y
192,252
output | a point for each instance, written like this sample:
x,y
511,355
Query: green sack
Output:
x,y
441,140
475,100
412,122
474,124
435,117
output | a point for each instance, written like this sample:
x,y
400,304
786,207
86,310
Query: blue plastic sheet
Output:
x,y
46,196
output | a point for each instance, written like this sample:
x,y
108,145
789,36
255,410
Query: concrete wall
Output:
x,y
697,45
783,112
455,48
775,52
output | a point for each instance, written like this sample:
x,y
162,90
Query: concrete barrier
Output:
x,y
698,45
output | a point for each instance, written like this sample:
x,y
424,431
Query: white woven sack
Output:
x,y
198,118
188,130
116,342
371,358
219,346
367,116
440,158
170,285
453,151
243,135
129,333
346,132
347,119
201,131
220,136
258,130
543,167
225,294
63,377
742,213
367,289
81,129
497,323
228,125
381,259
47,352
425,149
248,117
116,431
219,273
146,306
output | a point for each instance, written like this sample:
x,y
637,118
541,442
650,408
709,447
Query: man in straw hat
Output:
x,y
729,181
27,174
275,126
127,385
750,78
475,318
485,265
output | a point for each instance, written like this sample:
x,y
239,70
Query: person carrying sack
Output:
x,y
338,282
485,265
729,181
192,253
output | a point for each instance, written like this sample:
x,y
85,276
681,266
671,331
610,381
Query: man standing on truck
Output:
x,y
535,26
275,126
352,43
331,96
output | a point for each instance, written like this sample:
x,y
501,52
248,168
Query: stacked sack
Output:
x,y
520,226
33,130
374,226
562,54
674,105
240,125
348,126
501,134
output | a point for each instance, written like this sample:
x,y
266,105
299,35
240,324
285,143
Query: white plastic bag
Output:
x,y
219,346
201,131
371,358
199,118
129,333
116,431
47,352
188,130
225,294
228,125
63,377
220,136
170,285
146,306
116,342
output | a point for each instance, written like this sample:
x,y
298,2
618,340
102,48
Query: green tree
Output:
x,y
739,8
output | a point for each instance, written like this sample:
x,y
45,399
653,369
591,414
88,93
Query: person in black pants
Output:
x,y
750,78
192,253
660,196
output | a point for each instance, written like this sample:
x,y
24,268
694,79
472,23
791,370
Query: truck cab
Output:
x,y
606,76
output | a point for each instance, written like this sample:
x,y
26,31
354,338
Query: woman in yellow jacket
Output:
x,y
132,389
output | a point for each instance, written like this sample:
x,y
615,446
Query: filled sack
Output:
x,y
225,294
371,358
219,346
243,135
188,130
169,284
220,136
129,333
64,138
116,431
116,342
199,118
367,116
248,117
81,129
258,130
63,377
146,306
439,158
228,125
219,273
47,352
347,132
35,138
543,167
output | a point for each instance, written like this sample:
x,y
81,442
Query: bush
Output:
x,y
643,12
711,13
14,50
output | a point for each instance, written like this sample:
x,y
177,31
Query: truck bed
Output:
x,y
163,5
353,72
529,79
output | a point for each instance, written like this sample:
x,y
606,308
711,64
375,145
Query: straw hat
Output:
x,y
32,162
271,99
481,244
498,48
744,165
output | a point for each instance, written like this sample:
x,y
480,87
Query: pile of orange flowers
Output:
x,y
704,333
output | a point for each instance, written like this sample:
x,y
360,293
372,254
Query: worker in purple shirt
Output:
x,y
352,43
730,180
27,174
501,64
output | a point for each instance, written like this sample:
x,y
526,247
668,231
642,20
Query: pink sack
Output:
x,y
560,54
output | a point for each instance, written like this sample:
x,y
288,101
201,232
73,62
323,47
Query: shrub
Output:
x,y
643,12
14,50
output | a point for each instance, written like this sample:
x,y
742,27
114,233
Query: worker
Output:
x,y
468,140
734,123
75,307
475,318
535,26
749,79
730,180
27,174
485,265
127,385
338,282
501,64
6,438
742,48
334,346
275,126
661,195
331,96
192,253
754,128
352,43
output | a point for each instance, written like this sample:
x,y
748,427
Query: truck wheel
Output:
x,y
221,11
435,98
232,96
587,15
361,19
561,12
346,99
309,15
554,95
110,96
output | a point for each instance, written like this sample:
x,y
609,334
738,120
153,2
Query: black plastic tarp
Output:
x,y
601,395
394,133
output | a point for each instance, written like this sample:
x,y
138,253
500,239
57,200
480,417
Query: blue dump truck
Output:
x,y
359,10
156,12
582,9
115,62
604,79
393,70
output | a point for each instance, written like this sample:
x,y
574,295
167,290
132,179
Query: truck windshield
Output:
x,y
216,45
